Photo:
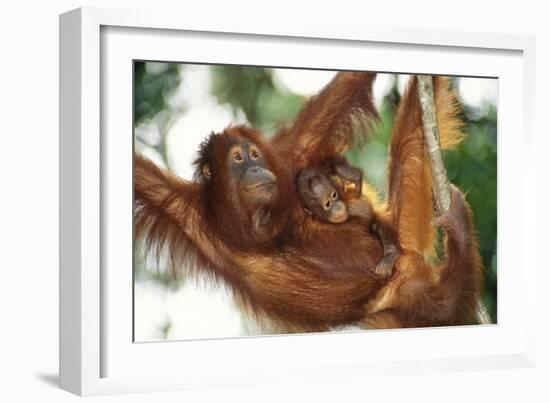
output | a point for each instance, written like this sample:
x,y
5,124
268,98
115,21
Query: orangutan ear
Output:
x,y
206,172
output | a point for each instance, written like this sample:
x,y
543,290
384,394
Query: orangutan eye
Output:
x,y
328,204
238,157
334,195
254,154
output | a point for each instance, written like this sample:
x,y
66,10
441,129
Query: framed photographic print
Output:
x,y
256,195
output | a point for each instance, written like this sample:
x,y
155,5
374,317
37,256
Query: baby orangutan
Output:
x,y
330,201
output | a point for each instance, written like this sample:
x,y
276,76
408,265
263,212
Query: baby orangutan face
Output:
x,y
321,197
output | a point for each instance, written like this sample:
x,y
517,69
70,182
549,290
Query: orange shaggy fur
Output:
x,y
311,276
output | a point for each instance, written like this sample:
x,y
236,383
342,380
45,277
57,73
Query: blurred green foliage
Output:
x,y
247,88
266,105
152,87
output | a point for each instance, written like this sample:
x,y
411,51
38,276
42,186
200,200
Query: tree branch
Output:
x,y
441,186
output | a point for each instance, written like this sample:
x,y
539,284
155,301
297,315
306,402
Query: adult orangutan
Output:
x,y
240,221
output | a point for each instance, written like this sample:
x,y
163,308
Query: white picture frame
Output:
x,y
96,355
